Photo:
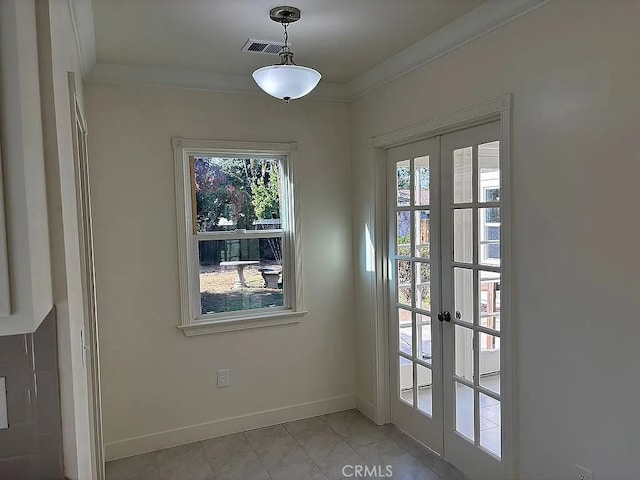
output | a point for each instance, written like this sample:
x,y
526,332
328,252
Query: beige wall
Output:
x,y
160,386
573,69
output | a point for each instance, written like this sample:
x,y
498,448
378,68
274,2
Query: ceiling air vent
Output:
x,y
261,46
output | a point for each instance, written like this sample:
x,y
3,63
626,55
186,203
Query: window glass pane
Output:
x,y
463,294
489,172
236,193
403,233
403,272
490,425
405,375
464,410
462,175
489,297
421,180
424,381
423,286
423,233
423,325
405,332
241,274
403,183
463,235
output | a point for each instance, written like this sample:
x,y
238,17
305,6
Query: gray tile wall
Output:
x,y
31,448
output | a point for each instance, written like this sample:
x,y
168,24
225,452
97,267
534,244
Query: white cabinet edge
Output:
x,y
4,417
5,297
25,257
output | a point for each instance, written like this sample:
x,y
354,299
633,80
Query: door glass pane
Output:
x,y
490,362
463,294
405,332
464,410
423,286
425,381
405,375
463,235
464,352
490,320
489,296
403,272
423,233
422,180
490,425
403,183
489,236
423,324
489,172
403,233
462,175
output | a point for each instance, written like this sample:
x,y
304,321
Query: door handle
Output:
x,y
444,316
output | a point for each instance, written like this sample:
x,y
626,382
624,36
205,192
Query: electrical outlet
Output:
x,y
223,378
583,473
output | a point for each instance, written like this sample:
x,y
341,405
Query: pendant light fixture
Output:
x,y
286,80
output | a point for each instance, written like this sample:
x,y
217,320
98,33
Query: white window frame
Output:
x,y
192,321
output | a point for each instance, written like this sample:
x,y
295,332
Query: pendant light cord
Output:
x,y
286,35
286,55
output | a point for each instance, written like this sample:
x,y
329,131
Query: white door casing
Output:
x,y
89,334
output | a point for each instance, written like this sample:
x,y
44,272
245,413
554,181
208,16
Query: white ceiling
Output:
x,y
340,38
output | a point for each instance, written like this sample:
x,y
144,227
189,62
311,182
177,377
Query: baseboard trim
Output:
x,y
366,408
194,433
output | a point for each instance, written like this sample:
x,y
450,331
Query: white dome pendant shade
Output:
x,y
287,80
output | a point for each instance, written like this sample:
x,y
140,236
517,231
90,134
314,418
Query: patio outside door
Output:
x,y
445,208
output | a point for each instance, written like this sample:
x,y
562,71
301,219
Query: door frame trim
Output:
x,y
499,108
91,354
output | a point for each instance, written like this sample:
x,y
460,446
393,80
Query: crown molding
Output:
x,y
483,19
81,13
117,74
486,18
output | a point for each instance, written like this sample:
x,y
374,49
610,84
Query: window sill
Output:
x,y
241,323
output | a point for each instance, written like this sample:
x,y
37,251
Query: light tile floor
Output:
x,y
312,449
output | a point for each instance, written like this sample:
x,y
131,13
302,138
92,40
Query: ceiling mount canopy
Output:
x,y
284,14
286,80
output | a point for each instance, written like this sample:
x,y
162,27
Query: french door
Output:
x,y
445,208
